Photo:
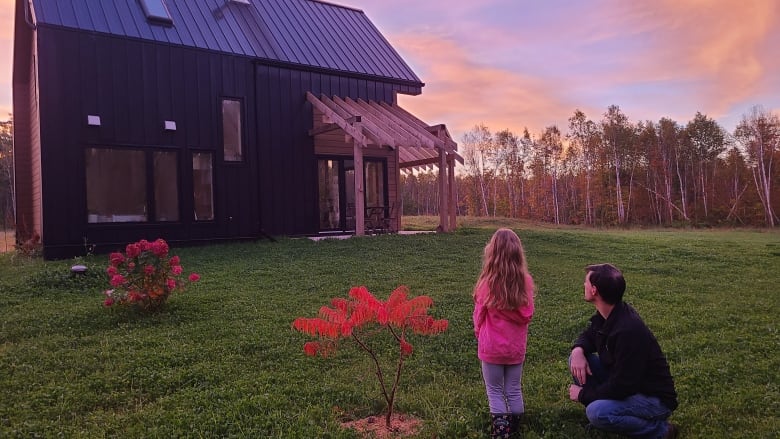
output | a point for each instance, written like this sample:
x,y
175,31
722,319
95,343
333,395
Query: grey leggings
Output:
x,y
504,392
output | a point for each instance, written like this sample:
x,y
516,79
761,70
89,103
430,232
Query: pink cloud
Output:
x,y
718,46
462,92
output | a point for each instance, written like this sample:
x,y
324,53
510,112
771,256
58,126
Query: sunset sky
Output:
x,y
515,64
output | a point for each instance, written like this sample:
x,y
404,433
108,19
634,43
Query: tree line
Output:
x,y
602,173
614,172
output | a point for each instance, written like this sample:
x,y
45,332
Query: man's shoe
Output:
x,y
671,431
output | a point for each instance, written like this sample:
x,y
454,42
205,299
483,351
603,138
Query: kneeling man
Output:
x,y
620,373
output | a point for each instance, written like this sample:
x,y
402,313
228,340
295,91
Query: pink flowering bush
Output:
x,y
144,275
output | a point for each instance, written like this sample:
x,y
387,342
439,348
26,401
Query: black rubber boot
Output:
x,y
501,425
514,423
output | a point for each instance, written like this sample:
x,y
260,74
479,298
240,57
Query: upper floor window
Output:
x,y
231,130
156,10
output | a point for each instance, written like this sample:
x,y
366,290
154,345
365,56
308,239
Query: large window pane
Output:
x,y
166,186
231,130
375,184
116,185
330,215
203,186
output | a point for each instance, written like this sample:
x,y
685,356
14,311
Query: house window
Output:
x,y
117,181
116,185
375,184
156,10
231,130
166,186
203,186
329,196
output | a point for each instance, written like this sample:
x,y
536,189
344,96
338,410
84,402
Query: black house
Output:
x,y
208,120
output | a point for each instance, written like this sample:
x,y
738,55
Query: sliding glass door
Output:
x,y
336,185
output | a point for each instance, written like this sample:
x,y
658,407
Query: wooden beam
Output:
x,y
338,119
400,115
400,131
324,129
416,154
383,137
415,164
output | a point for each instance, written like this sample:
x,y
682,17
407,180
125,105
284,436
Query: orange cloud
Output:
x,y
719,44
462,92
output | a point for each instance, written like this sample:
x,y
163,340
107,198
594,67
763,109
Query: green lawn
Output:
x,y
221,360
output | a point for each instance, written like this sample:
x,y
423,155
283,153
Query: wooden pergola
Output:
x,y
419,145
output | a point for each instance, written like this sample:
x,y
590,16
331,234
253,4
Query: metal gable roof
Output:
x,y
303,32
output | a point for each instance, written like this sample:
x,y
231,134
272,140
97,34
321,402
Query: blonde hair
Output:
x,y
504,271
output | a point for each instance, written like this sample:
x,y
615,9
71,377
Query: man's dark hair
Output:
x,y
609,282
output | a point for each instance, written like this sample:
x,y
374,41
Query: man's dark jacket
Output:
x,y
631,356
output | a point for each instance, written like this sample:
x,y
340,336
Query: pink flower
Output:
x,y
117,280
149,269
175,260
108,302
145,245
133,250
176,269
171,284
159,248
194,277
111,270
134,296
116,258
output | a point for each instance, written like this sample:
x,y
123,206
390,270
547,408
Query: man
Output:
x,y
620,373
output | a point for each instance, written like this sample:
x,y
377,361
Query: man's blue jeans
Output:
x,y
637,415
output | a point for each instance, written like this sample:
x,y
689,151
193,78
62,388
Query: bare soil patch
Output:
x,y
373,427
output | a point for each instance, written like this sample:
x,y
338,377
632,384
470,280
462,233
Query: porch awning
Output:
x,y
383,124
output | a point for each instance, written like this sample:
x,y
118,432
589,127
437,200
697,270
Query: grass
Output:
x,y
222,361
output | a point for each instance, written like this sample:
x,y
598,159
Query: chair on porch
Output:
x,y
374,220
389,221
380,219
350,217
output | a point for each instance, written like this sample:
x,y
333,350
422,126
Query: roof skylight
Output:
x,y
156,10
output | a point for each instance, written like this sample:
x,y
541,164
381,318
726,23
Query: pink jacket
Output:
x,y
502,334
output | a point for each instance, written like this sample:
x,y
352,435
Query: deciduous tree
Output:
x,y
759,135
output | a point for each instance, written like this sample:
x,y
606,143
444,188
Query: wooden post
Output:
x,y
443,192
360,199
452,194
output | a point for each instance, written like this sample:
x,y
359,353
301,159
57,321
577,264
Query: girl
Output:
x,y
503,306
